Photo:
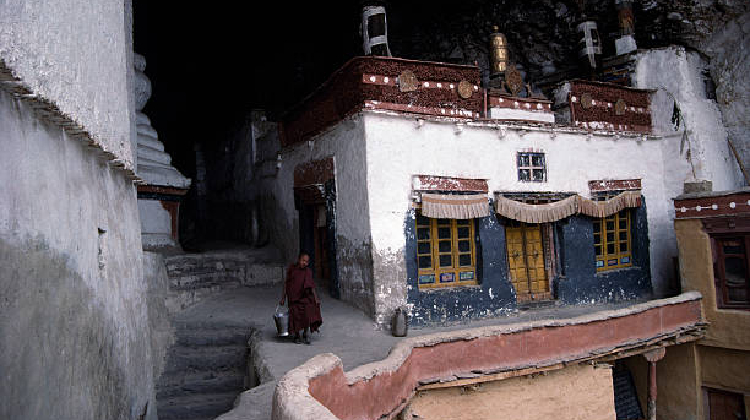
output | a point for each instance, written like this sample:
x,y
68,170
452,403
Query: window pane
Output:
x,y
623,246
425,261
421,220
738,295
610,225
734,271
462,222
610,237
538,174
423,234
446,261
464,246
611,249
623,223
597,226
444,246
597,238
464,260
523,160
598,250
463,232
623,236
537,160
423,248
444,233
524,175
731,246
444,222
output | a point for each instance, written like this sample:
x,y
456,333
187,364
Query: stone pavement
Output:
x,y
346,332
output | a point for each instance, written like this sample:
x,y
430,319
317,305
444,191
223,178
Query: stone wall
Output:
x,y
727,49
74,315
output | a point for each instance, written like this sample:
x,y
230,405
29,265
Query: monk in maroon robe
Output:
x,y
304,306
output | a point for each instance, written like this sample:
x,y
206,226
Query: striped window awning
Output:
x,y
444,206
552,212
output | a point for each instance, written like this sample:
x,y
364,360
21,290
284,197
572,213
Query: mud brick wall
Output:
x,y
602,114
345,92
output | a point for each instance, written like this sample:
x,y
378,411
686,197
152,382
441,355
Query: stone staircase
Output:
x,y
192,277
206,370
626,396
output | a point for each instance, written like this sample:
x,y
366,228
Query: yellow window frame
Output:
x,y
456,272
615,251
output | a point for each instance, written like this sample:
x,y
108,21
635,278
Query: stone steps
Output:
x,y
206,358
200,382
205,372
197,406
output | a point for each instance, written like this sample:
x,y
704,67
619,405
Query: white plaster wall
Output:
x,y
346,142
698,149
676,75
78,54
156,224
397,150
73,318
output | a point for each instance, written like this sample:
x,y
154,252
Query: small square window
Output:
x,y
531,167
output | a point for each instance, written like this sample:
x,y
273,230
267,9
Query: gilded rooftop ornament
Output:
x,y
513,80
586,100
407,81
465,89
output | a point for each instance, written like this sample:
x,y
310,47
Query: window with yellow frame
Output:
x,y
612,242
446,253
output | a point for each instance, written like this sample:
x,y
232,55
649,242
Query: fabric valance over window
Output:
x,y
546,213
440,206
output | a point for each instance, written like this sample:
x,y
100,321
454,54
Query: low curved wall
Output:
x,y
321,390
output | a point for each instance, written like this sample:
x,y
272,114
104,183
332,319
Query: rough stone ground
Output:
x,y
346,332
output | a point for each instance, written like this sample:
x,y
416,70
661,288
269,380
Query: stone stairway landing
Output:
x,y
192,277
206,371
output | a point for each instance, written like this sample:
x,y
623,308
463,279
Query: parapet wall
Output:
x,y
320,388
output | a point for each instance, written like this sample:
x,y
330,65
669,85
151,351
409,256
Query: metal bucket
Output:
x,y
282,322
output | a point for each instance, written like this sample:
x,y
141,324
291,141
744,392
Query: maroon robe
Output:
x,y
303,311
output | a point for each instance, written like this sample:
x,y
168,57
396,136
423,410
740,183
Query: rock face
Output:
x,y
154,164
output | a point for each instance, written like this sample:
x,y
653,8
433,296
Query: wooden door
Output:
x,y
517,259
525,249
724,405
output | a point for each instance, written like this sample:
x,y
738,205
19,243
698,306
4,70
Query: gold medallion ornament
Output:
x,y
407,81
513,80
465,89
620,107
586,100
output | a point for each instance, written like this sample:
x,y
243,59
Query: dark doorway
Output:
x,y
317,232
724,405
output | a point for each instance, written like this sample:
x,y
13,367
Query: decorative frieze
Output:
x,y
614,185
605,106
374,83
441,183
687,206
